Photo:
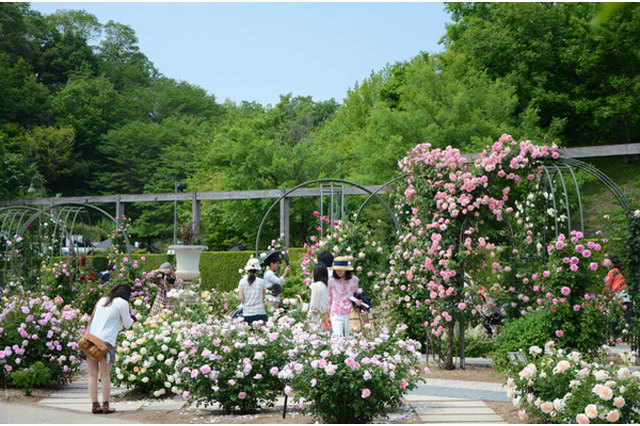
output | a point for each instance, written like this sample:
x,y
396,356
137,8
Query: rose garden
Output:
x,y
476,239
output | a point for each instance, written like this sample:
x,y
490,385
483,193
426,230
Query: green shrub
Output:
x,y
476,342
520,333
219,269
29,378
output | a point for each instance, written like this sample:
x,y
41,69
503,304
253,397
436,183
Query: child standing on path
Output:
x,y
319,303
342,285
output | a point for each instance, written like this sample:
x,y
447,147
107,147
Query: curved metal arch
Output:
x,y
48,208
600,176
575,181
558,172
375,194
311,182
37,213
462,273
13,212
553,199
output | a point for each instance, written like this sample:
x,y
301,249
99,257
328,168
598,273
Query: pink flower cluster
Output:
x,y
45,333
423,278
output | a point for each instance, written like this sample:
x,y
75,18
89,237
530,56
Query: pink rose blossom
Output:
x,y
366,393
559,333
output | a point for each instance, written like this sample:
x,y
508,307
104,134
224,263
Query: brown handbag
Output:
x,y
93,346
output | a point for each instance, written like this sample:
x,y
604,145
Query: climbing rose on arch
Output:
x,y
444,196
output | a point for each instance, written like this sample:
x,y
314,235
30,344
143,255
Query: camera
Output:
x,y
170,279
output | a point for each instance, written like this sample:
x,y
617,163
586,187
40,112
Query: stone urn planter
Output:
x,y
188,262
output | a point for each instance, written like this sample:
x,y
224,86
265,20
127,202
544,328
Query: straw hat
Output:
x,y
342,263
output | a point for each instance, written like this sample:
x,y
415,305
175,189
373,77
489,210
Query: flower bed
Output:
x,y
228,363
561,387
351,380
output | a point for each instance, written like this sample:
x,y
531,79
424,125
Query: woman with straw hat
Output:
x,y
342,285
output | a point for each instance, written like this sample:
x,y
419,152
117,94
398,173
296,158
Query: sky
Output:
x,y
259,51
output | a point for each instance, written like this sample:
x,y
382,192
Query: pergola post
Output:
x,y
119,209
195,215
284,218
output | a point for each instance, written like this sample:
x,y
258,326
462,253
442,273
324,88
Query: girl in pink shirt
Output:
x,y
342,285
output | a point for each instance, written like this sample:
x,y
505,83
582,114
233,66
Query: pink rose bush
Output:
x,y
36,328
579,310
558,386
226,362
354,379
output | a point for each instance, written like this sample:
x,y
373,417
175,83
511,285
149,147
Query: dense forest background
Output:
x,y
85,110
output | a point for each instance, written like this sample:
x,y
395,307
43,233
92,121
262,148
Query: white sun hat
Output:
x,y
252,264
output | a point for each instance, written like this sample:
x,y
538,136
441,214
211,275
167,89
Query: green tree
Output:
x,y
64,55
16,170
120,58
21,34
558,62
91,106
51,150
166,98
438,100
24,99
77,22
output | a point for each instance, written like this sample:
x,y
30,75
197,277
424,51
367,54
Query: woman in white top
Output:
x,y
251,293
272,262
110,315
319,304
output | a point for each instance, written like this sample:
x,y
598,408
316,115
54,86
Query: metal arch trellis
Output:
x,y
12,221
302,185
552,176
75,212
375,194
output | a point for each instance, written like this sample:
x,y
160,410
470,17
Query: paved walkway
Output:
x,y
29,414
437,401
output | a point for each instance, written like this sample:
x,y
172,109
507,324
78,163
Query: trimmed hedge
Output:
x,y
218,269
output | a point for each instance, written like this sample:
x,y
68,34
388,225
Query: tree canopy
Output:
x,y
84,108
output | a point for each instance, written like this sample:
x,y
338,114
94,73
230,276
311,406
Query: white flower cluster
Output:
x,y
601,392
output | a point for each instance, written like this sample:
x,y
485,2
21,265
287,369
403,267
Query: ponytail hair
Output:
x,y
252,276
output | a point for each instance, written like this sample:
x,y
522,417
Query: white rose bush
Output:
x,y
241,369
558,386
146,355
